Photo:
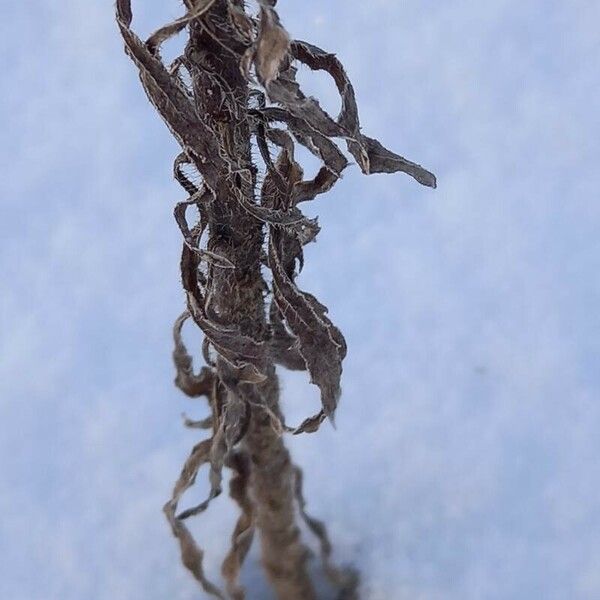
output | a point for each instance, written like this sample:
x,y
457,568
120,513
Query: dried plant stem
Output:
x,y
283,555
218,113
272,480
237,297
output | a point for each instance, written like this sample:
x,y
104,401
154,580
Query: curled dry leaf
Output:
x,y
272,46
216,458
236,349
284,346
309,425
164,33
194,135
371,156
124,15
190,187
206,423
191,555
320,343
190,384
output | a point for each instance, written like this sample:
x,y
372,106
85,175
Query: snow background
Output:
x,y
466,464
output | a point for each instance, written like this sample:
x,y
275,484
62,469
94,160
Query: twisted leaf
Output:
x,y
321,344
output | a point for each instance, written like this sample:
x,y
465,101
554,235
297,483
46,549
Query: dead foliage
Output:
x,y
234,89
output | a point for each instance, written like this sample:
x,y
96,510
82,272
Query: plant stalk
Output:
x,y
237,298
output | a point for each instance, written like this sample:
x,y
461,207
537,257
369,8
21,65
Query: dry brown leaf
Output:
x,y
320,343
190,384
271,47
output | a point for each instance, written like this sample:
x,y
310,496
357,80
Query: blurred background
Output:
x,y
466,462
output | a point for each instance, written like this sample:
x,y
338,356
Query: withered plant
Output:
x,y
233,92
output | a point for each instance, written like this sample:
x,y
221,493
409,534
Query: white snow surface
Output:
x,y
466,461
